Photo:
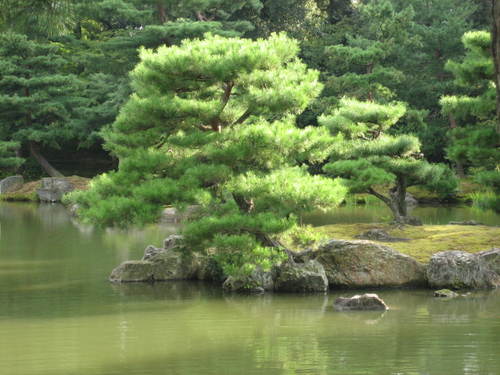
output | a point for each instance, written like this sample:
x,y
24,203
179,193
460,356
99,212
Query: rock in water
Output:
x,y
365,302
445,293
132,271
301,277
461,270
10,184
258,281
492,258
358,264
53,189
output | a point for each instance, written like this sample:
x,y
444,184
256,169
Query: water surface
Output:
x,y
60,316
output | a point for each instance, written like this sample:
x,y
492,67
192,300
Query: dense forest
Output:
x,y
256,110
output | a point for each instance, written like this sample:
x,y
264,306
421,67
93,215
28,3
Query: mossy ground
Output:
x,y
28,191
424,240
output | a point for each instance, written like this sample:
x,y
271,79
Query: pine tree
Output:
x,y
475,143
39,103
372,161
360,66
8,159
211,123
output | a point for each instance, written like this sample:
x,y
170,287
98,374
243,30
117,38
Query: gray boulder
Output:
x,y
173,215
365,302
358,264
461,270
53,189
132,271
301,277
492,258
258,281
10,184
445,293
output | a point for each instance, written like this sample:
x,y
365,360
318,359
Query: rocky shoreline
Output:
x,y
336,264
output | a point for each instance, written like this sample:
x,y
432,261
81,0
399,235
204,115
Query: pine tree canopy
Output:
x,y
372,161
212,123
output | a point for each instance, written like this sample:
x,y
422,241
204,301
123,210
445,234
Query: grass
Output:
x,y
424,240
27,192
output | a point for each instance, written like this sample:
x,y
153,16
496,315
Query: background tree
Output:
x,y
211,122
8,160
372,161
475,144
39,103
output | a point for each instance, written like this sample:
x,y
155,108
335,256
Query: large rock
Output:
x,y
365,302
10,184
165,264
492,258
173,215
461,270
358,264
258,281
132,271
53,189
301,277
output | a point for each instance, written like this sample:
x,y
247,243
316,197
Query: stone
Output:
x,y
10,184
467,222
365,302
132,271
301,277
173,241
171,265
492,258
461,270
379,235
173,215
358,264
257,282
151,251
53,189
410,200
445,293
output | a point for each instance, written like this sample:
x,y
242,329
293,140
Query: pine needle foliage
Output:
x,y
475,144
372,161
212,123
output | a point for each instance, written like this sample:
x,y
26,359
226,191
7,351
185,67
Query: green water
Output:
x,y
60,316
376,213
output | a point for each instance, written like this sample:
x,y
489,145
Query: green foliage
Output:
x,y
39,102
211,123
8,159
474,141
369,159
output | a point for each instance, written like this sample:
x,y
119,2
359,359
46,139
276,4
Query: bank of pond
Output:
x,y
59,314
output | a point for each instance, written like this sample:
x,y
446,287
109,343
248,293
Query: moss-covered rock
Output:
x,y
133,271
258,281
358,264
301,277
460,270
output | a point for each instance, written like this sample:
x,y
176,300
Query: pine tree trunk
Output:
x,y
396,201
162,13
44,163
495,38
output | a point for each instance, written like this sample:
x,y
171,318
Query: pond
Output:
x,y
60,316
376,213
